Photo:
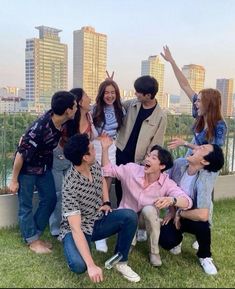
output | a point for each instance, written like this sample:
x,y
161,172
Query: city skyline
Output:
x,y
46,67
135,30
89,59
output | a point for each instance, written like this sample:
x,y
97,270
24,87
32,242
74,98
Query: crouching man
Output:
x,y
146,190
196,175
87,215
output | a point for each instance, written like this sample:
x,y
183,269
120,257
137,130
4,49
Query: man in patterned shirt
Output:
x,y
87,214
32,169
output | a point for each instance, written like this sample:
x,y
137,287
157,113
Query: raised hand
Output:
x,y
108,76
106,141
167,54
175,142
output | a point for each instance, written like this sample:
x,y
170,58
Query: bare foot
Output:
x,y
39,247
46,244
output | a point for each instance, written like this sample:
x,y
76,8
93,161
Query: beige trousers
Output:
x,y
150,221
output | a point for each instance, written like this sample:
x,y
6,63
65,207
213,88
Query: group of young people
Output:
x,y
71,153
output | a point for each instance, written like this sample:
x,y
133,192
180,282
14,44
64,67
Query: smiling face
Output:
x,y
152,163
85,102
109,95
199,105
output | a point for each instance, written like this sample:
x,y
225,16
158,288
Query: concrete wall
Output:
x,y
224,187
9,209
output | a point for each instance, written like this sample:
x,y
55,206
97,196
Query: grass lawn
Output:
x,y
19,267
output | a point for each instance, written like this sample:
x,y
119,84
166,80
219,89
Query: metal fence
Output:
x,y
13,125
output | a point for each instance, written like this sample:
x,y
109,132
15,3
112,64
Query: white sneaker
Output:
x,y
101,246
195,245
127,272
141,235
176,250
208,266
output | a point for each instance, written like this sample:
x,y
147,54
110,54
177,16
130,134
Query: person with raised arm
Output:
x,y
209,126
146,190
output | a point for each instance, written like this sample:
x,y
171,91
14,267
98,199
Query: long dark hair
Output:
x,y
72,126
98,115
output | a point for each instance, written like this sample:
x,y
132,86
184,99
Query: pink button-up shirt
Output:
x,y
135,196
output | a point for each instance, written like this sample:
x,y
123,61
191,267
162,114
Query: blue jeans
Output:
x,y
32,225
59,169
120,221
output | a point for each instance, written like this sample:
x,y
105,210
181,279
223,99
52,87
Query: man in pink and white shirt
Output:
x,y
146,190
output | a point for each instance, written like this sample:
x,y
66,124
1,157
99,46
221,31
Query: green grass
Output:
x,y
19,267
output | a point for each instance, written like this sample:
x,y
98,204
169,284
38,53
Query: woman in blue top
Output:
x,y
209,126
108,116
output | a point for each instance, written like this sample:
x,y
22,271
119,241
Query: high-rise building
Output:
x,y
155,67
195,75
46,67
9,91
225,86
89,59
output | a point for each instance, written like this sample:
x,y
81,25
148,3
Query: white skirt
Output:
x,y
111,151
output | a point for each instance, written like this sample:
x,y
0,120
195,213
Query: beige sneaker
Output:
x,y
155,260
127,272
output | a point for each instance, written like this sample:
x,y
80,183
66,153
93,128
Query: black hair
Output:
x,y
73,124
215,159
62,100
76,147
147,85
164,156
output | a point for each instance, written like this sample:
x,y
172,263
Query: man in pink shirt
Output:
x,y
146,190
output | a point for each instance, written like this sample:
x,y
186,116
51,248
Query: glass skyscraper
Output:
x,y
46,68
89,59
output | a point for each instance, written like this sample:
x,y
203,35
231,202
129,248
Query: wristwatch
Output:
x,y
186,144
108,203
174,201
178,212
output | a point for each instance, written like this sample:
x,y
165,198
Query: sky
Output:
x,y
197,31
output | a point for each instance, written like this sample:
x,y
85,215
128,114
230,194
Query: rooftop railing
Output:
x,y
12,126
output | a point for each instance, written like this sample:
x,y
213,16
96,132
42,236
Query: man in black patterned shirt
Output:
x,y
87,215
32,169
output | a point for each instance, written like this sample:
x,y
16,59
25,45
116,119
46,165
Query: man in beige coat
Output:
x,y
144,125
